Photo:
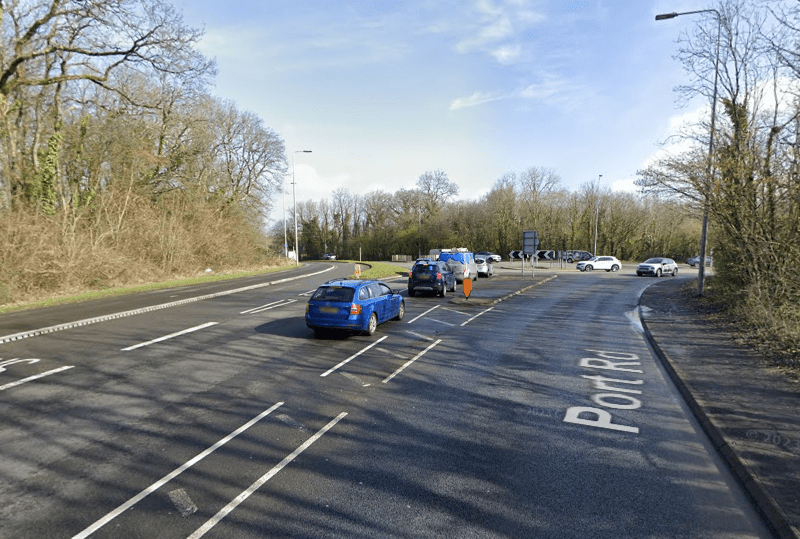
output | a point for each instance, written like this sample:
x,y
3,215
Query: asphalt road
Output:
x,y
542,415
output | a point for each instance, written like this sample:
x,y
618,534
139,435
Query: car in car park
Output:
x,y
354,305
484,267
657,267
695,260
608,263
431,276
491,257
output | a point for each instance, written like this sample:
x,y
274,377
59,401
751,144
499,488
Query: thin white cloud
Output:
x,y
550,90
507,54
477,98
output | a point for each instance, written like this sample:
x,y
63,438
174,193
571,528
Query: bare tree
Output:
x,y
436,189
48,46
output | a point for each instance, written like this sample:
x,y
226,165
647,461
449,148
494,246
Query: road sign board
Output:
x,y
530,241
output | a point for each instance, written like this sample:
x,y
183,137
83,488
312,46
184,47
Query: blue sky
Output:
x,y
382,91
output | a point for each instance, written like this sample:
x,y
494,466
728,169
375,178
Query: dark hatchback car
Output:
x,y
355,305
431,276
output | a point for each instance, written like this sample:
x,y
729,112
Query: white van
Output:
x,y
462,262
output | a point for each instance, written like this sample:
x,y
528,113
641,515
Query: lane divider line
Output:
x,y
410,361
476,316
423,314
114,316
170,336
35,377
170,476
268,306
346,361
213,521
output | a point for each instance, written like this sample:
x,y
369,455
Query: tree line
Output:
x,y
411,222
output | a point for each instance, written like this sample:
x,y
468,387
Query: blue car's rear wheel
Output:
x,y
372,325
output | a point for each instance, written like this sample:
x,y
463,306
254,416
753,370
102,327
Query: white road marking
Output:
x,y
423,314
170,336
6,363
213,521
410,361
441,322
268,306
169,477
35,377
346,361
476,316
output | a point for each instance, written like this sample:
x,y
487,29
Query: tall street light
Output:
x,y
710,168
294,201
596,215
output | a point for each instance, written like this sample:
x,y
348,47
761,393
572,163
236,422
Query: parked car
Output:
x,y
575,256
328,256
491,257
354,305
657,267
695,260
431,276
484,267
608,263
462,262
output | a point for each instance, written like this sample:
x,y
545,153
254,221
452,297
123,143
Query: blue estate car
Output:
x,y
356,305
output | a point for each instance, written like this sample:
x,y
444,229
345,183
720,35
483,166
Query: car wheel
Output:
x,y
411,292
372,325
401,310
443,291
658,273
675,272
589,268
453,289
614,268
570,261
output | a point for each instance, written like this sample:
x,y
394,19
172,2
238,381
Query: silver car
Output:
x,y
657,267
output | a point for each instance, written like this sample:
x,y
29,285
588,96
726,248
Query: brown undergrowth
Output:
x,y
772,334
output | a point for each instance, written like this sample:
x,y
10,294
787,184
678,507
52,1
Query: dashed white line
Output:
x,y
346,361
170,336
410,361
476,316
268,306
169,477
423,314
35,377
213,521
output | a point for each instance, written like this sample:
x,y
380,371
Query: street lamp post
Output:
x,y
596,216
710,169
285,239
294,199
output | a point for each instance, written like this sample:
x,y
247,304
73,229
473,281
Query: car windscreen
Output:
x,y
653,261
334,293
